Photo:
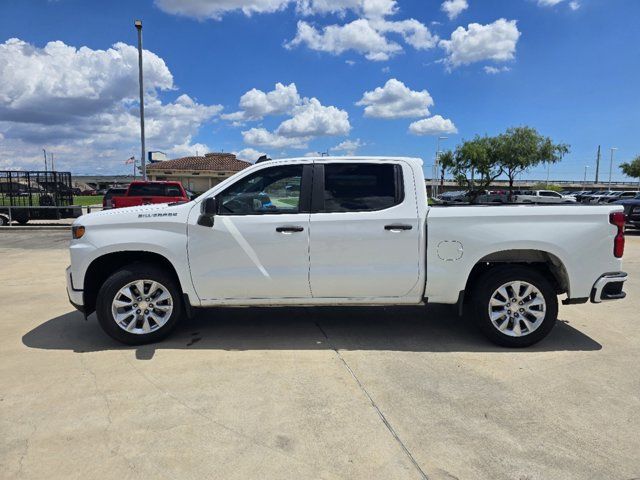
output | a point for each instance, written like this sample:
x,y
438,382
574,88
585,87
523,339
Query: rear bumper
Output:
x,y
609,287
76,297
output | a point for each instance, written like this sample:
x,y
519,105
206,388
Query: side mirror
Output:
x,y
208,210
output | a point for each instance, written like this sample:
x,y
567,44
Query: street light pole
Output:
x,y
436,168
548,170
584,181
611,165
143,166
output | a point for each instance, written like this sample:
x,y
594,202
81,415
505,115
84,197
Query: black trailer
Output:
x,y
27,195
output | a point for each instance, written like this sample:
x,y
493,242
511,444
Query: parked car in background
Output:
x,y
457,196
145,193
614,196
493,196
541,196
580,195
631,211
107,200
593,197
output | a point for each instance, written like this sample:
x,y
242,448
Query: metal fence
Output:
x,y
10,211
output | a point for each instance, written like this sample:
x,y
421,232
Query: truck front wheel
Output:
x,y
514,306
139,304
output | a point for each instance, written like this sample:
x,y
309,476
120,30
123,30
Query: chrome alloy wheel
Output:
x,y
517,308
142,306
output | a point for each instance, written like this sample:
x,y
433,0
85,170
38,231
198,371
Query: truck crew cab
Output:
x,y
341,231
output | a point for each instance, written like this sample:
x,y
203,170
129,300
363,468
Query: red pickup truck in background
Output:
x,y
145,193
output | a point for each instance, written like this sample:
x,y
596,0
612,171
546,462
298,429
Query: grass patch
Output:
x,y
86,200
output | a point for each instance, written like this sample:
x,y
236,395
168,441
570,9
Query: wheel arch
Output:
x,y
542,261
103,266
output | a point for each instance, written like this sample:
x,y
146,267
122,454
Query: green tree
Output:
x,y
522,148
632,168
446,162
475,164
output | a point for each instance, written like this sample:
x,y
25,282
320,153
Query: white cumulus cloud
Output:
x,y
215,9
312,119
349,147
496,42
370,35
261,137
435,125
82,103
249,154
256,104
395,100
453,8
359,36
495,70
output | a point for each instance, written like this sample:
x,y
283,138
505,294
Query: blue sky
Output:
x,y
570,69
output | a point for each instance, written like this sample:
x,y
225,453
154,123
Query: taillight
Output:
x,y
617,219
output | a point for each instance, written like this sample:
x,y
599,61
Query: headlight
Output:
x,y
77,231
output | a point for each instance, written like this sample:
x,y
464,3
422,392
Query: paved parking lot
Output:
x,y
362,393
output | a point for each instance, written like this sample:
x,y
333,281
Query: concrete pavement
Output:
x,y
371,393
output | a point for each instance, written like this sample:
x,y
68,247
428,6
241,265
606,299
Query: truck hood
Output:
x,y
139,214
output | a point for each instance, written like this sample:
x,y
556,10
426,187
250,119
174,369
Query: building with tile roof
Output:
x,y
197,174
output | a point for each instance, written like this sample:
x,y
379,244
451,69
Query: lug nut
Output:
x,y
138,312
522,310
151,305
139,299
146,311
135,305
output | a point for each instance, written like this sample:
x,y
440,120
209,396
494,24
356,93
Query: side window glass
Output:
x,y
272,190
361,187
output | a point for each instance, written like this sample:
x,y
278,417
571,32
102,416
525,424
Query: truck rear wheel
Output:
x,y
139,304
514,306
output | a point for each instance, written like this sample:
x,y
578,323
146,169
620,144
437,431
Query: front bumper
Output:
x,y
76,297
609,287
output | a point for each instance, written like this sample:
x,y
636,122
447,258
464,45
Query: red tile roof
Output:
x,y
223,162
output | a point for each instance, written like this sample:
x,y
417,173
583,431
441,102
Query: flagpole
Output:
x,y
134,168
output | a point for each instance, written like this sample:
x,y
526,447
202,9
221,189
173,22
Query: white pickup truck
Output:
x,y
341,231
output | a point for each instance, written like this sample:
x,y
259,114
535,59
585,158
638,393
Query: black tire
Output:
x,y
22,218
4,221
490,281
118,280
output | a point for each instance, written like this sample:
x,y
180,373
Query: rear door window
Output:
x,y
358,187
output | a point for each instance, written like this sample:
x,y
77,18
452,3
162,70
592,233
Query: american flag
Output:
x,y
130,160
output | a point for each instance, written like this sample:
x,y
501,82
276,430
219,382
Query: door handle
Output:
x,y
291,229
397,227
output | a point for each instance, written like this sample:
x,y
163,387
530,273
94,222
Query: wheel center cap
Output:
x,y
143,305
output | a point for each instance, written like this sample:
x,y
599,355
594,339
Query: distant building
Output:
x,y
197,174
